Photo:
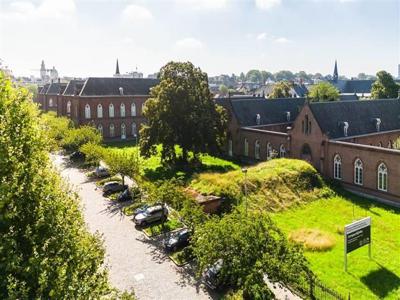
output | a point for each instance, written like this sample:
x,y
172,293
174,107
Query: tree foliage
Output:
x,y
281,89
396,144
56,128
94,153
122,162
181,112
284,75
250,245
254,76
77,137
223,89
385,86
45,249
323,91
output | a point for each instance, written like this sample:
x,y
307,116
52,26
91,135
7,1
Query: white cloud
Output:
x,y
267,4
135,13
282,40
189,43
261,36
203,4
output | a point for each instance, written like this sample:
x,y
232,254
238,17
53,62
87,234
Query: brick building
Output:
x,y
350,141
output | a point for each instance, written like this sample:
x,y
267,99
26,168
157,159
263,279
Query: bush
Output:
x,y
56,129
77,137
93,153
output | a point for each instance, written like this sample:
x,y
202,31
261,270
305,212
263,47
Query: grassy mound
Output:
x,y
313,239
274,185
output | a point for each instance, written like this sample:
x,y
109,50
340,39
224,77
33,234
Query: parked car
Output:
x,y
77,155
211,275
125,196
113,187
141,209
101,172
178,240
151,214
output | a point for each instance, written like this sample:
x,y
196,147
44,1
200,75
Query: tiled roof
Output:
x,y
95,86
361,116
44,88
271,111
56,88
74,87
353,86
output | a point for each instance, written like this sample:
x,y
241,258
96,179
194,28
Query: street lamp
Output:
x,y
244,170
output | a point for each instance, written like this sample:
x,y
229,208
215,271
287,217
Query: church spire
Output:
x,y
117,69
335,72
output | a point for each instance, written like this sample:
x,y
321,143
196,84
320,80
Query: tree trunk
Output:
x,y
123,179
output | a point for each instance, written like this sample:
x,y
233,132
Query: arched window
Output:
x,y
68,107
87,111
51,102
111,110
122,110
380,144
282,150
358,172
246,147
112,130
100,129
123,131
133,110
382,177
230,147
337,167
99,111
257,149
134,129
269,151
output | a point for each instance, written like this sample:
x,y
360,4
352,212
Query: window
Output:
x,y
230,147
99,111
337,167
282,151
100,129
134,130
123,131
111,110
257,149
246,147
288,116
358,172
345,128
51,102
378,123
133,110
68,107
112,130
87,111
382,177
122,110
269,151
380,144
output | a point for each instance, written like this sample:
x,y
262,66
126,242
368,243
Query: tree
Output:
x,y
180,111
385,86
77,137
56,128
266,75
94,153
122,162
33,89
223,89
281,89
250,246
46,251
242,77
284,75
323,91
254,76
303,76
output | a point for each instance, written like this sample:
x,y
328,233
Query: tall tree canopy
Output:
x,y
281,89
323,91
385,86
180,111
46,251
254,76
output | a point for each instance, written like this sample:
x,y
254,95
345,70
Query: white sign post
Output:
x,y
356,235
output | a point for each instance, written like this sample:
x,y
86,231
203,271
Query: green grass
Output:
x,y
102,182
365,279
130,209
159,228
181,257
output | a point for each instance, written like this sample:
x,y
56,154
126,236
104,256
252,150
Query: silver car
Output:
x,y
151,214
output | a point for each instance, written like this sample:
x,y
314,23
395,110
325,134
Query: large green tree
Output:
x,y
384,87
281,89
323,91
123,163
180,111
254,76
46,251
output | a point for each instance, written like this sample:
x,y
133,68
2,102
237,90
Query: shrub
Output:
x,y
77,137
56,129
313,239
93,153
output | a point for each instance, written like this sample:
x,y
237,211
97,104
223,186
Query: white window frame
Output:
x,y
112,130
69,107
257,149
99,111
134,129
122,110
133,110
282,151
123,131
382,177
358,172
111,111
87,111
337,167
269,151
100,129
246,147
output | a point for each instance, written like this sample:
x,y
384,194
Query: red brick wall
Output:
x,y
376,139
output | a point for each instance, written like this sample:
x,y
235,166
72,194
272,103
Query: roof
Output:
x,y
360,115
44,88
353,86
56,88
110,86
271,111
348,97
74,87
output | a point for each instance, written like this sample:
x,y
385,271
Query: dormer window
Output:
x,y
121,91
378,123
258,119
288,116
345,128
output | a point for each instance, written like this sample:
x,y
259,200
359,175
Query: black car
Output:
x,y
177,240
211,275
113,187
125,196
77,155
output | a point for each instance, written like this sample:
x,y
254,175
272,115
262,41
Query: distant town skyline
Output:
x,y
84,38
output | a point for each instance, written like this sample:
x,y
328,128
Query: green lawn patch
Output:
x,y
181,257
365,279
130,209
159,228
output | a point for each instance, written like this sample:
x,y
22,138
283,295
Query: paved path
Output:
x,y
135,261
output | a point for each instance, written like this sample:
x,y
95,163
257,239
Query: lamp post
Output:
x,y
137,151
244,170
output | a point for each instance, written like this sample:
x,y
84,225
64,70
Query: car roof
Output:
x,y
154,208
112,182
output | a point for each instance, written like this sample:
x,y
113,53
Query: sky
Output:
x,y
84,38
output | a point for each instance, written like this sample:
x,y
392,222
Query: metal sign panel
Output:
x,y
357,234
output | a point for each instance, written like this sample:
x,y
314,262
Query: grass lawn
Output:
x,y
181,257
159,228
365,279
